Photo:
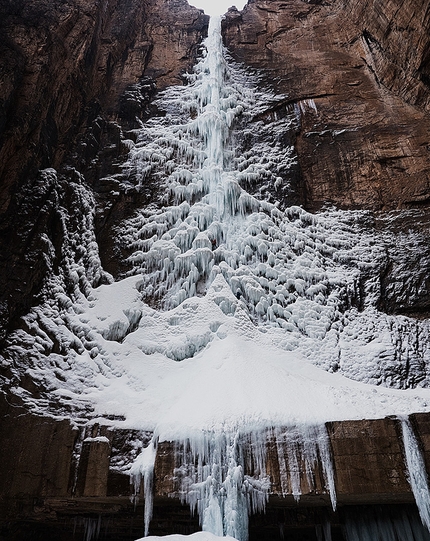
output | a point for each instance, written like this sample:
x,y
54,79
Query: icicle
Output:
x,y
92,528
214,482
223,475
324,450
143,469
384,525
323,531
308,445
416,469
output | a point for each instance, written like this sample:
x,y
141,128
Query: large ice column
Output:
x,y
214,480
417,473
211,120
188,152
142,470
224,477
217,110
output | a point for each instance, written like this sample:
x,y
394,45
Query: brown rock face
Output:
x,y
64,70
364,139
28,445
369,461
57,58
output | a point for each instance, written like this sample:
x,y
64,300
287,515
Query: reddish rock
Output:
x,y
364,64
64,70
58,58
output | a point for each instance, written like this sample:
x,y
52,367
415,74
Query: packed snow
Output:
x,y
198,536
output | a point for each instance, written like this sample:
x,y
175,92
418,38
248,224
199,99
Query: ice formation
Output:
x,y
143,470
223,474
380,525
417,473
239,319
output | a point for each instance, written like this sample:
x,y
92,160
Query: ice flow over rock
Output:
x,y
278,269
222,474
237,315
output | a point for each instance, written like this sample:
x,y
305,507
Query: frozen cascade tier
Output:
x,y
224,477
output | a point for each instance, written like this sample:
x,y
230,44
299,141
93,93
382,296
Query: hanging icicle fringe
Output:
x,y
223,475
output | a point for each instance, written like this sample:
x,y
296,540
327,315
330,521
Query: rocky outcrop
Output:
x,y
357,73
60,61
69,71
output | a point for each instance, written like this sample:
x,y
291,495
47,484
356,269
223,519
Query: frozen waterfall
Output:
x,y
187,244
224,476
239,323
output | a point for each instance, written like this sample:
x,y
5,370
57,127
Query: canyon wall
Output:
x,y
365,66
76,78
73,74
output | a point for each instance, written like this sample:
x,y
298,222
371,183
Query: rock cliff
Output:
x,y
77,78
364,139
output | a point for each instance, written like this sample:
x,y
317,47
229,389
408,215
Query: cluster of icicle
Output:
x,y
223,475
212,221
283,265
216,226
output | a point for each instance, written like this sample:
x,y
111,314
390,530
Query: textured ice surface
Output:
x,y
417,474
222,474
377,524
